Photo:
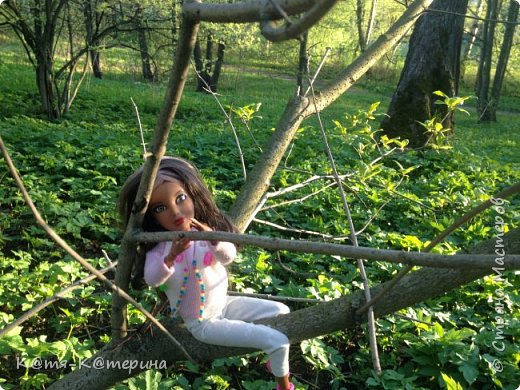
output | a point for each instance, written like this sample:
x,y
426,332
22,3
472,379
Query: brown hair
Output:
x,y
206,211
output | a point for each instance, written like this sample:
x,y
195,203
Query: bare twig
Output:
x,y
78,257
288,229
228,119
353,237
275,297
136,111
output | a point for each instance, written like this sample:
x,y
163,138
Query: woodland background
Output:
x,y
74,151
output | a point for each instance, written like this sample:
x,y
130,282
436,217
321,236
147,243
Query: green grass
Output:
x,y
74,168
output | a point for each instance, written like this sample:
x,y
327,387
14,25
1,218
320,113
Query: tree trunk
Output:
x,y
485,62
152,347
142,39
91,22
217,69
203,78
44,80
503,58
208,72
303,64
360,18
432,64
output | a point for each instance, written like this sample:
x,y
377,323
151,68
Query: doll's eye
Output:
x,y
181,198
158,209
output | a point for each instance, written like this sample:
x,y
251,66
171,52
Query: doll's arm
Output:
x,y
156,272
224,252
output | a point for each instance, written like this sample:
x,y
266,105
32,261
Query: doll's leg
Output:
x,y
235,333
252,309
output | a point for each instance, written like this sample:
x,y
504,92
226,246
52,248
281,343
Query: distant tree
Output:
x,y
39,27
364,34
140,24
208,68
488,100
93,19
432,64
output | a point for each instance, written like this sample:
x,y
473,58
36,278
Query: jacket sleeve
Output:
x,y
224,252
155,271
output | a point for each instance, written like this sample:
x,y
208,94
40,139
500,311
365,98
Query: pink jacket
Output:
x,y
197,282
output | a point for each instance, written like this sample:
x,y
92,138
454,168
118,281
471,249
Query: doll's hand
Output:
x,y
179,245
201,227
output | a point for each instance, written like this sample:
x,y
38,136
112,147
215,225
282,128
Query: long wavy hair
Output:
x,y
206,211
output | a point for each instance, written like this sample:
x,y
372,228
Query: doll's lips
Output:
x,y
178,221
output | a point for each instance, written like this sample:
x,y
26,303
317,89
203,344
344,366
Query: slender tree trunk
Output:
x,y
360,19
432,64
503,58
484,68
146,67
45,82
371,21
473,33
175,24
91,22
303,64
217,69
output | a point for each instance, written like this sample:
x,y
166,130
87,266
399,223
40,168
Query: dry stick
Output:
x,y
56,297
77,256
228,119
136,111
288,229
432,260
515,188
353,238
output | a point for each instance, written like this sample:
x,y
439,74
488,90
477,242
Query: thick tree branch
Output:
x,y
172,99
244,12
293,30
314,321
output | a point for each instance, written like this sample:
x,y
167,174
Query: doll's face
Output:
x,y
171,206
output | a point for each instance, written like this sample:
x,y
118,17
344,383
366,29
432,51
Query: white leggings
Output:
x,y
233,328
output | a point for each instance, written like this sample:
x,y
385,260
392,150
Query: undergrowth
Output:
x,y
74,168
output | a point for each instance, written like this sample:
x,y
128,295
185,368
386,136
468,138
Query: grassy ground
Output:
x,y
75,166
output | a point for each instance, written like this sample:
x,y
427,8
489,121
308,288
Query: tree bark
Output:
x,y
321,319
432,64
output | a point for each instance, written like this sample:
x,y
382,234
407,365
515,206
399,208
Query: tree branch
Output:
x,y
293,30
244,12
314,321
511,262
